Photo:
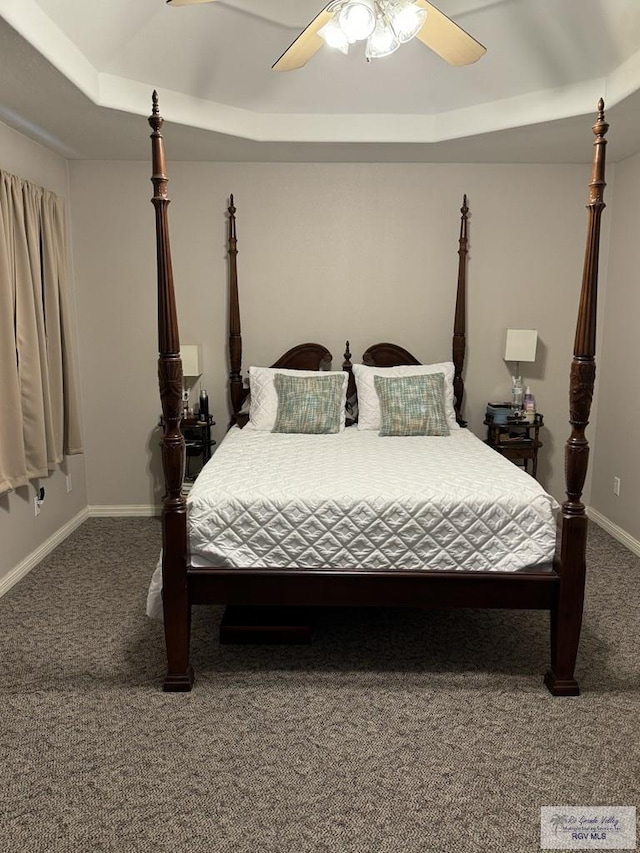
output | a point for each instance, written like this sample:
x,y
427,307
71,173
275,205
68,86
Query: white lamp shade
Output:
x,y
190,355
521,345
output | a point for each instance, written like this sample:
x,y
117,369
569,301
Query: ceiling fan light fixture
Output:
x,y
383,25
357,19
406,18
383,41
334,36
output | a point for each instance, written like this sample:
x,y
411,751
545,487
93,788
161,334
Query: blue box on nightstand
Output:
x,y
499,413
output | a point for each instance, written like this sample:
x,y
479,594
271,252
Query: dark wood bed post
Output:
x,y
566,614
236,389
460,317
174,509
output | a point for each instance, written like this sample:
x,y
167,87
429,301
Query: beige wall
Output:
x,y
617,452
21,533
326,252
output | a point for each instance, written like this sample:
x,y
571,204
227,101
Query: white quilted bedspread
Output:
x,y
356,500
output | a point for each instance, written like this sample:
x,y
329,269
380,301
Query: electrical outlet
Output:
x,y
69,483
616,485
36,506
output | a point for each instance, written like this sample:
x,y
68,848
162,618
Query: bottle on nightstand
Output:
x,y
529,406
204,405
516,394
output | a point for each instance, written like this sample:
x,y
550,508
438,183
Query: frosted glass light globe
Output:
x,y
358,19
334,36
381,42
407,21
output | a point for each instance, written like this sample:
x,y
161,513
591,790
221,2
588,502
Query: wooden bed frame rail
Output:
x,y
559,590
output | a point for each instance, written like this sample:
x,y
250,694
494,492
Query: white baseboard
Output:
x,y
617,532
30,562
41,552
124,510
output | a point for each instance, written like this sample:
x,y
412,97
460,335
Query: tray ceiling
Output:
x,y
548,62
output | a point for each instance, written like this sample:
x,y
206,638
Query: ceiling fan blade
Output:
x,y
448,39
187,2
302,49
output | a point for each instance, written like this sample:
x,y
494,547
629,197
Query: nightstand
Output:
x,y
517,439
198,442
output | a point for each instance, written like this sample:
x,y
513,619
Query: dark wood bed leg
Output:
x,y
566,614
175,599
174,509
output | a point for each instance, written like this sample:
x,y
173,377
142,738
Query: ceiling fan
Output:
x,y
384,24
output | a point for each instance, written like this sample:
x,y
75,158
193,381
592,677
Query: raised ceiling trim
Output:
x,y
132,96
524,110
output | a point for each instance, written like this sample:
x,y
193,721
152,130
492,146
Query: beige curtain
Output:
x,y
39,421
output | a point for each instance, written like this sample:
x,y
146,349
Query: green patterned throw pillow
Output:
x,y
412,405
309,404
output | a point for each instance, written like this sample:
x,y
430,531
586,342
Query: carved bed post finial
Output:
x,y
236,390
346,364
174,524
459,323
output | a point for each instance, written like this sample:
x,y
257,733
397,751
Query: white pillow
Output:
x,y
264,397
368,404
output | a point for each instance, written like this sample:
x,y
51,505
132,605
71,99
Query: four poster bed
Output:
x,y
528,571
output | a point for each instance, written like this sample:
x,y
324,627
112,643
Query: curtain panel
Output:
x,y
39,420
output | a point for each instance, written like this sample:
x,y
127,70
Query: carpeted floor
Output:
x,y
393,732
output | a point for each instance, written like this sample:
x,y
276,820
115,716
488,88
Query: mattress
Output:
x,y
356,500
